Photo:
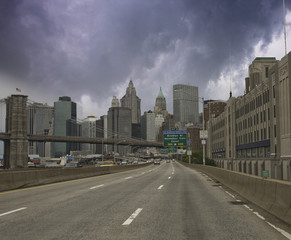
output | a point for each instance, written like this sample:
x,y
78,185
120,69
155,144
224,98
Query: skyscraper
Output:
x,y
148,126
186,104
119,127
88,129
65,124
39,121
161,104
131,101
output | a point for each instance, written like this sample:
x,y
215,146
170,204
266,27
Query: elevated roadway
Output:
x,y
167,201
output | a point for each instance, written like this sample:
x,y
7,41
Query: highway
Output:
x,y
167,201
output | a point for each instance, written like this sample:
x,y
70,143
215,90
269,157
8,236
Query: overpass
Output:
x,y
16,138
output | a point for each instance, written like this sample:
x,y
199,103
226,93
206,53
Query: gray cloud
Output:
x,y
90,47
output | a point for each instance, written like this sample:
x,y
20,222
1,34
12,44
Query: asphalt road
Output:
x,y
167,201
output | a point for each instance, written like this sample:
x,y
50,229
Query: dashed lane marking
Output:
x,y
13,211
132,217
102,185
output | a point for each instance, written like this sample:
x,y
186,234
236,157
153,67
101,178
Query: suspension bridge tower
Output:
x,y
16,148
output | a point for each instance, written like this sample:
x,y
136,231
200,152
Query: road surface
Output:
x,y
167,201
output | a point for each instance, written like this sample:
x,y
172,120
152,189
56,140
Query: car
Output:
x,y
168,160
73,165
135,162
124,162
156,162
105,164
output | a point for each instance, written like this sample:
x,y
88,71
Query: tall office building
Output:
x,y
161,104
186,104
132,101
39,121
88,129
119,127
65,124
101,132
148,126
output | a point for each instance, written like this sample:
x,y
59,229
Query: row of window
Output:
x,y
252,105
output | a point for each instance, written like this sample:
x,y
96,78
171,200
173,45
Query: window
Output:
x,y
274,111
275,133
267,72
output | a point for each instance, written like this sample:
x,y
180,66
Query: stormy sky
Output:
x,y
90,49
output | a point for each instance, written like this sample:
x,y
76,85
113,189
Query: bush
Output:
x,y
197,158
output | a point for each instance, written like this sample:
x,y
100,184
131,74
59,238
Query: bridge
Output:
x,y
16,138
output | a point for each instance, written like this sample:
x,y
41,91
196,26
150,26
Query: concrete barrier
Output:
x,y
10,179
272,195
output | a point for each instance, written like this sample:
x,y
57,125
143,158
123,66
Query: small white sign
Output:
x,y
203,134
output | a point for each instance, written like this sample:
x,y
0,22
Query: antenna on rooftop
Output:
x,y
230,75
284,27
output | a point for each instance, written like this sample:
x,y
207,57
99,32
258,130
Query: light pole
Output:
x,y
203,124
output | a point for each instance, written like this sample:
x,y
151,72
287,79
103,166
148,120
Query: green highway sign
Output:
x,y
265,173
166,150
175,138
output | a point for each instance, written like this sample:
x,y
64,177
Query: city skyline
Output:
x,y
90,50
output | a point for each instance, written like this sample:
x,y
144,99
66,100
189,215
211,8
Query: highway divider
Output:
x,y
16,179
272,195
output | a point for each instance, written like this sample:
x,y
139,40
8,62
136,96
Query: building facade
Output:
x,y
186,104
148,126
132,101
89,129
65,124
119,127
161,104
254,132
39,122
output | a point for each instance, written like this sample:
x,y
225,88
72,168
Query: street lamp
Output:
x,y
203,135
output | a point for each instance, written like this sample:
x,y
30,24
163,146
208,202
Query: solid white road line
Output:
x,y
160,187
97,186
13,211
132,217
128,177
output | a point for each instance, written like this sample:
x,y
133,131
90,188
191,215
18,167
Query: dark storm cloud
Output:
x,y
75,47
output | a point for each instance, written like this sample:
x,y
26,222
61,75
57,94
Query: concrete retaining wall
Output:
x,y
10,179
272,195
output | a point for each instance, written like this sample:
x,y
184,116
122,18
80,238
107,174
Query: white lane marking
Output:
x,y
97,186
284,233
259,216
230,194
128,177
287,235
160,187
172,172
143,173
13,211
132,217
169,177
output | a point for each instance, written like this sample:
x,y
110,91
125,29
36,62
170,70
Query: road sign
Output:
x,y
265,173
166,150
175,138
203,134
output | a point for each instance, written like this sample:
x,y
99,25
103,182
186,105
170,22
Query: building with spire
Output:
x,y
132,101
161,104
